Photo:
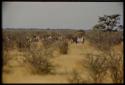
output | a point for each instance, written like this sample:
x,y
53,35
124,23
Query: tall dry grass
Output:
x,y
40,61
99,66
104,41
63,47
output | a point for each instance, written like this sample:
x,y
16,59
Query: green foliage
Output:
x,y
108,23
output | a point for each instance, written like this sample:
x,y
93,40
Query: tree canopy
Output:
x,y
109,23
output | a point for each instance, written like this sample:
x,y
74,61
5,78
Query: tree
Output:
x,y
108,23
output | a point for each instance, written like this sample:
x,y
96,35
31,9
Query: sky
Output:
x,y
57,15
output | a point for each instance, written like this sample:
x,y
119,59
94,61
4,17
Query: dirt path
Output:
x,y
65,65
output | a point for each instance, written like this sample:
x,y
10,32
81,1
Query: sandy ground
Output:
x,y
19,73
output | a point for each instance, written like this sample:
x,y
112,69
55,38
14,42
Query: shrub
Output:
x,y
63,47
5,57
104,40
8,41
22,43
15,38
47,43
76,77
40,61
116,67
98,65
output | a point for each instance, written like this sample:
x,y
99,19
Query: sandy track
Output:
x,y
65,65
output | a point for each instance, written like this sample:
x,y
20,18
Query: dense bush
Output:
x,y
100,64
97,64
22,43
116,67
8,41
40,61
104,40
5,57
63,47
47,43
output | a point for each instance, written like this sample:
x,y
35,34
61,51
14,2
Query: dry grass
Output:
x,y
104,41
63,47
40,60
100,64
97,63
76,78
116,67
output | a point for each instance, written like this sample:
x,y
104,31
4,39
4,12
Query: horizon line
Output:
x,y
49,28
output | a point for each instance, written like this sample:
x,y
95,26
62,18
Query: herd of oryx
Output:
x,y
72,39
57,37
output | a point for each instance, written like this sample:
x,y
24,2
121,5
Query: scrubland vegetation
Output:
x,y
99,59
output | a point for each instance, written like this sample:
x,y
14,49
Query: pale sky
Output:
x,y
71,15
